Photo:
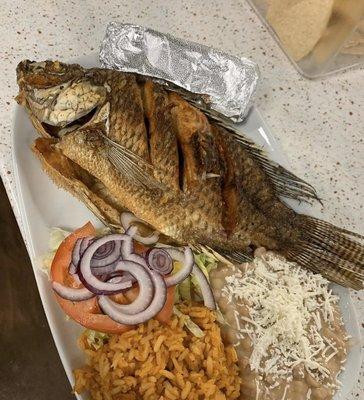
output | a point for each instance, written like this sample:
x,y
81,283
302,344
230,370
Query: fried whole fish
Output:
x,y
122,142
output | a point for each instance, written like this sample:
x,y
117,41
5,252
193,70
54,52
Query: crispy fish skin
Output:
x,y
247,182
126,114
243,219
176,217
215,190
72,178
201,168
162,135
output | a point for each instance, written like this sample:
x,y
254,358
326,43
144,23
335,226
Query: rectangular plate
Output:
x,y
43,205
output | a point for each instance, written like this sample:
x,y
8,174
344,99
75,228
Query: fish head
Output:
x,y
60,97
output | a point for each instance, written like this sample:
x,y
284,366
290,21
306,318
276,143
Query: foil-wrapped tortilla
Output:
x,y
228,83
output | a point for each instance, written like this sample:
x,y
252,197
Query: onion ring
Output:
x,y
187,261
110,308
146,290
86,275
207,294
72,294
127,218
159,260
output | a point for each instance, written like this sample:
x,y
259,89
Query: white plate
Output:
x,y
43,205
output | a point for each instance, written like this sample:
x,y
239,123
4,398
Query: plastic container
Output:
x,y
320,37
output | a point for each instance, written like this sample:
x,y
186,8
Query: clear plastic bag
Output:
x,y
320,37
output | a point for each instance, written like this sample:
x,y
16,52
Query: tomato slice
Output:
x,y
87,312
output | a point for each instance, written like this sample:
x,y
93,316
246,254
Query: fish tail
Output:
x,y
335,253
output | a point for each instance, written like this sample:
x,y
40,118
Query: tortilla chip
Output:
x,y
345,17
300,26
351,9
276,7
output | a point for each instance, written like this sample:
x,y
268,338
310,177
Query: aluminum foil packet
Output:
x,y
227,83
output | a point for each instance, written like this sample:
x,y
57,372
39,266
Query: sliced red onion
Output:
x,y
131,231
187,261
206,290
138,259
106,254
127,218
159,260
76,254
127,246
111,308
86,241
78,249
105,270
85,272
207,294
72,294
72,269
117,277
146,290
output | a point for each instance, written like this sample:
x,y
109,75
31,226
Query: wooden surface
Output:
x,y
30,368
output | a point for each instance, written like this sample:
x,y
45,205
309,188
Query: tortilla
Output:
x,y
301,25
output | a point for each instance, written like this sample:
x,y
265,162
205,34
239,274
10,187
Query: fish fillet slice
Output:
x,y
162,135
178,217
126,115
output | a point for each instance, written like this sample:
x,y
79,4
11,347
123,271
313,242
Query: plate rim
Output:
x,y
28,239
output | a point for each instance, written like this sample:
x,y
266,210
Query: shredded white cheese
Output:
x,y
287,305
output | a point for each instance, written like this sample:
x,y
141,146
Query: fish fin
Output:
x,y
225,256
135,168
236,256
285,183
336,253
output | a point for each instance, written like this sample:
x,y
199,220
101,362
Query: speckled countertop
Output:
x,y
319,124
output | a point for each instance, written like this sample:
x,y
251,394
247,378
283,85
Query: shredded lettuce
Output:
x,y
56,237
184,288
96,339
206,263
220,318
177,296
189,324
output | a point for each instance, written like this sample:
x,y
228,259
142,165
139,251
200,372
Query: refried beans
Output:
x,y
286,327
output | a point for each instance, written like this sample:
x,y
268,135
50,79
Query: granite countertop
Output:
x,y
319,124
